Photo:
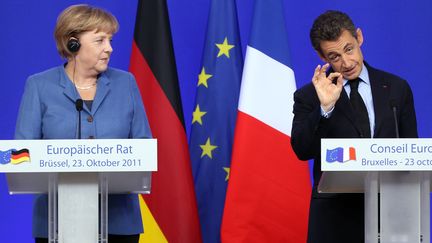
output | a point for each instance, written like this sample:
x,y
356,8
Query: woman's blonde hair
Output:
x,y
80,18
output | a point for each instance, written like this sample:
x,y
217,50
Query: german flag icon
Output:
x,y
19,156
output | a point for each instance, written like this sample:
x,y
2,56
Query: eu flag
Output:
x,y
5,156
215,114
336,154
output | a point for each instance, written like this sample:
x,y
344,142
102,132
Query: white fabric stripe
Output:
x,y
267,90
346,154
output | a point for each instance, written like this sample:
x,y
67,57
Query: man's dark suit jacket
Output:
x,y
335,218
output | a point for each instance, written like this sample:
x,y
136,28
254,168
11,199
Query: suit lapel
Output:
x,y
343,106
68,87
102,91
380,95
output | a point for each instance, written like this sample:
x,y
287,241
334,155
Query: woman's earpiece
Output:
x,y
73,45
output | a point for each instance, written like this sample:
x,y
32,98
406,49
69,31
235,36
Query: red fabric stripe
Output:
x,y
269,189
352,153
172,199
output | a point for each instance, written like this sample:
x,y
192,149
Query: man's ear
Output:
x,y
359,36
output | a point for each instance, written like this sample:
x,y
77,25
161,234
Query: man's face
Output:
x,y
344,54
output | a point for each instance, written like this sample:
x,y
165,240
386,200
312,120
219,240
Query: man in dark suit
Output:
x,y
346,99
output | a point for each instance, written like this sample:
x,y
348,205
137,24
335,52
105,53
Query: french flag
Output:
x,y
269,188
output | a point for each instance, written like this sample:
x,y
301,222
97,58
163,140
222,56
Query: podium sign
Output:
x,y
396,171
376,154
93,155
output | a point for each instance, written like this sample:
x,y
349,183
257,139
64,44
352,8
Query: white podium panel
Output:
x,y
37,183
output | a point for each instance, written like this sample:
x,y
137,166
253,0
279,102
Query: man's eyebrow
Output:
x,y
347,45
332,53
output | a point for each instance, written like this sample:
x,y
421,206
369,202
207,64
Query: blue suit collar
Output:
x,y
103,88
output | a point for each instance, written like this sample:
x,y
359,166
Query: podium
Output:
x,y
394,176
78,175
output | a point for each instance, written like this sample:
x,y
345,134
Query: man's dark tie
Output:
x,y
359,107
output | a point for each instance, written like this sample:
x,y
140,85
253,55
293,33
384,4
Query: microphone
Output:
x,y
79,108
394,109
79,104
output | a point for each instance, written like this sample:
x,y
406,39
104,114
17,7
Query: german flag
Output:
x,y
169,212
20,156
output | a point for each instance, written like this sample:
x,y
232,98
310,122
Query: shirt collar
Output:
x,y
364,76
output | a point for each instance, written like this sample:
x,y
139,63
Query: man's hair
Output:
x,y
76,19
329,27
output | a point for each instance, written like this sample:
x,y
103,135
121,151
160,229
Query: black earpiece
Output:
x,y
73,45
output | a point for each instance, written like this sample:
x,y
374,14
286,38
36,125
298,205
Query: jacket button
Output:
x,y
91,137
90,119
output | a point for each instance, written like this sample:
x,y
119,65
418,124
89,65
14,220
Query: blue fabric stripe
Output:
x,y
271,41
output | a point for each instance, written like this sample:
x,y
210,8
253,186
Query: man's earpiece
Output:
x,y
73,45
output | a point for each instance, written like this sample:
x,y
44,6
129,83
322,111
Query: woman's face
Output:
x,y
95,51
